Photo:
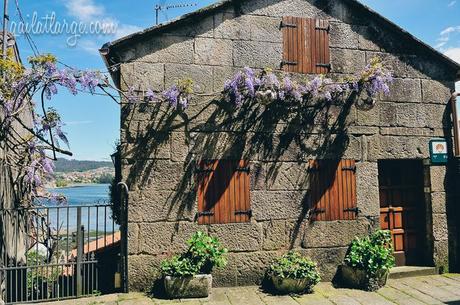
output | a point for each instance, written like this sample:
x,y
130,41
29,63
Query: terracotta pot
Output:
x,y
358,278
288,285
197,286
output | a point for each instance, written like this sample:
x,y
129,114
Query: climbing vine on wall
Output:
x,y
35,151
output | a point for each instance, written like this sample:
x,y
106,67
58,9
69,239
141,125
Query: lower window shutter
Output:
x,y
333,190
223,192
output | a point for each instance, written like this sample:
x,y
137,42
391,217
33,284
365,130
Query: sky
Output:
x,y
93,122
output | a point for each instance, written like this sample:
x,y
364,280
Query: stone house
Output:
x,y
263,182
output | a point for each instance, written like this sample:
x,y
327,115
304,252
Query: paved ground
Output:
x,y
437,289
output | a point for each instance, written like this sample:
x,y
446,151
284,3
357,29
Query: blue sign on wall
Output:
x,y
438,151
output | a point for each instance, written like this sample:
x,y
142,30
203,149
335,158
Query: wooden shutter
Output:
x,y
333,190
223,191
305,45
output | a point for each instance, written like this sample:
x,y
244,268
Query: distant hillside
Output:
x,y
66,166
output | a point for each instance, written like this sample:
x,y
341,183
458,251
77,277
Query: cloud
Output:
x,y
89,45
126,29
84,10
453,53
452,3
445,37
87,11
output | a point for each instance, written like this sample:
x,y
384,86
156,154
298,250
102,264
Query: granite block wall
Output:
x,y
160,146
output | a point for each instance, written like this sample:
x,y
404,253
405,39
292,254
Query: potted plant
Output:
x,y
368,261
292,273
188,275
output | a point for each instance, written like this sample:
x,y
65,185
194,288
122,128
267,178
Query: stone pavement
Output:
x,y
436,289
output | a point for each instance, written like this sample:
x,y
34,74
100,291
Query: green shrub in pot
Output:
x,y
292,273
188,275
368,261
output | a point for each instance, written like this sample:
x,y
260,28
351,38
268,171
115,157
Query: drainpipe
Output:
x,y
456,164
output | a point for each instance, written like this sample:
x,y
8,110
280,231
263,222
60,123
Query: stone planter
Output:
x,y
197,286
287,285
357,278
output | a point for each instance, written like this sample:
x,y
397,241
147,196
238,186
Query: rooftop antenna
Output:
x,y
159,8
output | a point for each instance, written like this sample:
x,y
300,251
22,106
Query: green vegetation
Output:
x,y
293,266
371,254
203,254
61,182
104,179
65,166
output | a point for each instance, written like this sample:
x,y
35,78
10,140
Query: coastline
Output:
x,y
75,185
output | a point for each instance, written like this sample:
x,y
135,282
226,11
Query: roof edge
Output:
x,y
110,61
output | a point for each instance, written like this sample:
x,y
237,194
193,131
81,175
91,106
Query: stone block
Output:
x,y
201,76
143,270
145,76
166,49
155,175
221,75
257,54
238,237
286,176
149,150
210,51
251,266
133,238
203,27
367,188
409,116
322,234
438,202
279,205
436,92
229,26
343,36
275,235
397,147
222,145
258,176
404,90
441,255
369,117
438,178
274,8
179,147
159,205
265,29
440,228
367,38
327,260
353,148
165,237
387,114
347,61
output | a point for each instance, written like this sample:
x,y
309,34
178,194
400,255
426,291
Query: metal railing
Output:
x,y
58,252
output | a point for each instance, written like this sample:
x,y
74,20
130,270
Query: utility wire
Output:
x,y
29,39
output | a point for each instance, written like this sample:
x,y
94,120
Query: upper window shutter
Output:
x,y
333,190
305,45
223,192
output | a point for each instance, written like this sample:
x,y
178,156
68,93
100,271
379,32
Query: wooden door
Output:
x,y
402,208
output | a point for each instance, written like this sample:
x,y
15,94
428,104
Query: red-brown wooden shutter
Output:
x,y
333,190
305,45
223,191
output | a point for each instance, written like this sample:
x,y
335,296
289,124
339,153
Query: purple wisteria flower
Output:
x,y
150,96
172,96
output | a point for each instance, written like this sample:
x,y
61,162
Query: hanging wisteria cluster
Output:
x,y
267,87
35,149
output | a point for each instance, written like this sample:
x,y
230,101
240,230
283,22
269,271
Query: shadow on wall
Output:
x,y
216,129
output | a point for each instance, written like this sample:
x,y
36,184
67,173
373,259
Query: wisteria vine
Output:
x,y
45,135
